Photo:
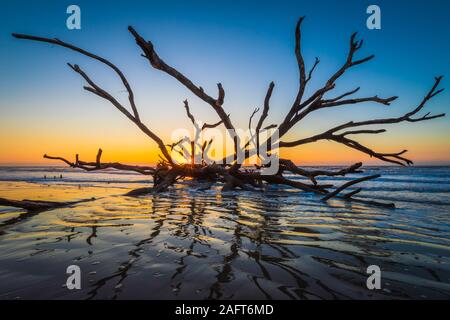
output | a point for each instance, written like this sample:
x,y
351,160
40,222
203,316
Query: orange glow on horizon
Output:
x,y
27,143
30,151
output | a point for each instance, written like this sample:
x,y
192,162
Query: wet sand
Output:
x,y
191,244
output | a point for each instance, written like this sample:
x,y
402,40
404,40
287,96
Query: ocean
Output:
x,y
197,243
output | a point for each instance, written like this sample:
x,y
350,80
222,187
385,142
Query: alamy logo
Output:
x,y
74,20
374,20
241,146
374,280
74,280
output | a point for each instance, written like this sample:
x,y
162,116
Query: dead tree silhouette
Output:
x,y
167,171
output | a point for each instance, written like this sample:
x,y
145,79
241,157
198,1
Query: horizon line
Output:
x,y
418,164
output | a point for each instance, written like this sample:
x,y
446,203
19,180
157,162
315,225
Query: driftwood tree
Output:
x,y
233,175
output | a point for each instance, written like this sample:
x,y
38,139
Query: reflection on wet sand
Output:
x,y
200,244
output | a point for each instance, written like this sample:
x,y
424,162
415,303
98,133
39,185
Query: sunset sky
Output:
x,y
244,45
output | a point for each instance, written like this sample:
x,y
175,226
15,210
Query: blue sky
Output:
x,y
242,44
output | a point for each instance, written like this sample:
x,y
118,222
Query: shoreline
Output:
x,y
208,244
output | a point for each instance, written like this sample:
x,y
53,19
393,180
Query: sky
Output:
x,y
242,44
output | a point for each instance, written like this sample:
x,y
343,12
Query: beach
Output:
x,y
192,242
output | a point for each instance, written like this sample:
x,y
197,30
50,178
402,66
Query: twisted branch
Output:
x,y
94,88
98,165
157,63
167,172
333,135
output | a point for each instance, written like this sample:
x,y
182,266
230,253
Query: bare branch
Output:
x,y
97,165
94,88
363,132
170,177
300,61
272,126
251,117
387,157
406,117
103,94
90,55
314,100
158,63
212,125
97,159
385,101
265,112
320,105
173,145
99,91
316,62
348,184
352,193
290,166
189,114
349,93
